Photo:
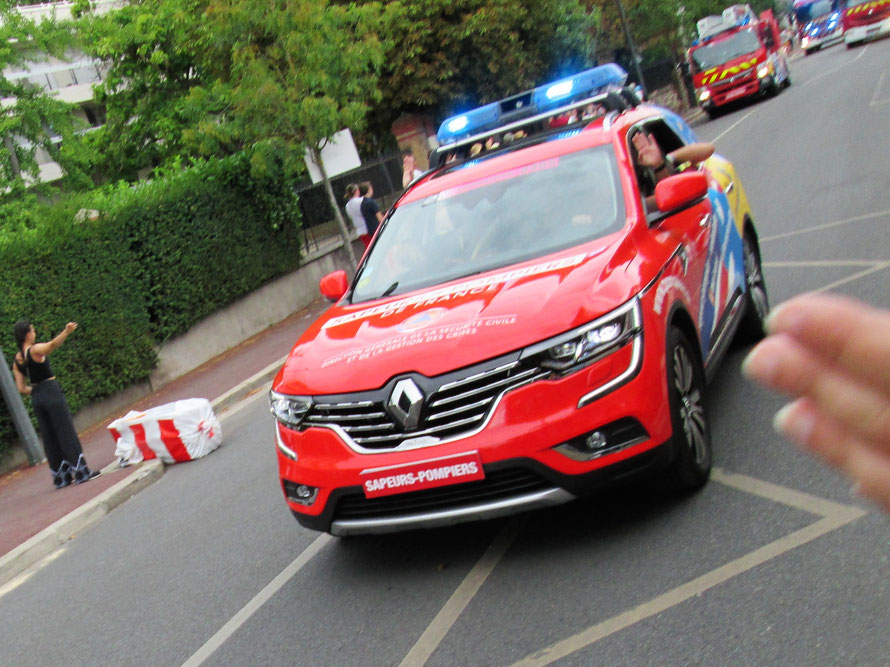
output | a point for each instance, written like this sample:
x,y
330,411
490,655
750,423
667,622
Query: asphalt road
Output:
x,y
773,562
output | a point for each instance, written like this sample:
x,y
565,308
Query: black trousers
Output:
x,y
60,441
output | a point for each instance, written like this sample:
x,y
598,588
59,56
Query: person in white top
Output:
x,y
354,211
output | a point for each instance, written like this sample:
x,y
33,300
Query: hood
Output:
x,y
433,331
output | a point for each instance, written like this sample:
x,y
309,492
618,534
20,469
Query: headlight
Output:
x,y
805,41
577,348
704,95
289,410
764,70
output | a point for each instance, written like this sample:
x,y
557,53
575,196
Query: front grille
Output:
x,y
735,80
497,485
453,405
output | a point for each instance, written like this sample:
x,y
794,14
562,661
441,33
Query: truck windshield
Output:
x,y
711,55
508,217
815,10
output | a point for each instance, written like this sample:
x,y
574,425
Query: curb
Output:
x,y
251,385
69,526
90,513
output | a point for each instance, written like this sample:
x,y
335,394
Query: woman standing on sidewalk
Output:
x,y
60,442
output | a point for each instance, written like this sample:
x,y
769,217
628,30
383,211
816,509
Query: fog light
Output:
x,y
596,441
301,494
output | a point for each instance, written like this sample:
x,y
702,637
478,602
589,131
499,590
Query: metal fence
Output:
x,y
319,223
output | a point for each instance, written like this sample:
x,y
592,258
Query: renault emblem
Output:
x,y
405,403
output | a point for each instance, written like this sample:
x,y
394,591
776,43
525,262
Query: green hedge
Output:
x,y
159,257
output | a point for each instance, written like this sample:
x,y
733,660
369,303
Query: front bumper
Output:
x,y
720,98
517,449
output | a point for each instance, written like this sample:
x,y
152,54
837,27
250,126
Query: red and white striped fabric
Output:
x,y
175,432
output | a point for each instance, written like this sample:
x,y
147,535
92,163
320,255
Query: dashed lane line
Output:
x,y
835,69
833,516
441,624
258,601
824,263
732,127
875,101
827,225
856,276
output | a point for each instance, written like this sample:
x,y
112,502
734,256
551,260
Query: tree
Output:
x,y
210,78
30,117
442,55
284,77
149,51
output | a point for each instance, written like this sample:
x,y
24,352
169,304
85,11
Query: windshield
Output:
x,y
712,55
812,11
496,221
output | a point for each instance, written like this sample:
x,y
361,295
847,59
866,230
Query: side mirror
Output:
x,y
333,285
681,190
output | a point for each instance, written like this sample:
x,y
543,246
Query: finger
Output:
x,y
866,466
851,335
781,363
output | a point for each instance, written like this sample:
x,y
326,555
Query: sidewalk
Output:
x,y
36,518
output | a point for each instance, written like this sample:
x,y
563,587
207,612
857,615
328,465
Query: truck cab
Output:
x,y
737,55
820,23
865,19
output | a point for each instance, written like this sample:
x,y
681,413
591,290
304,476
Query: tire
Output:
x,y
751,328
689,414
712,113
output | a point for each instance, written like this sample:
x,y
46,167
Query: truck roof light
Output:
x,y
545,98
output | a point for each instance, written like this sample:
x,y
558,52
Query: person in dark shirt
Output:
x,y
60,442
370,211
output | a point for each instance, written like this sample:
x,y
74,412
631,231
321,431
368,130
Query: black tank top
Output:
x,y
36,372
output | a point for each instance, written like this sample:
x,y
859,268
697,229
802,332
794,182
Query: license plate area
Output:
x,y
429,474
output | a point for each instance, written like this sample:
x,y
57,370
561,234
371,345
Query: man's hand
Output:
x,y
833,355
648,151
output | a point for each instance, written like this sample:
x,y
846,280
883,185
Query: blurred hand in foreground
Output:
x,y
832,355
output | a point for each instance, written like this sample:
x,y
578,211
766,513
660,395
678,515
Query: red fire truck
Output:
x,y
865,19
737,55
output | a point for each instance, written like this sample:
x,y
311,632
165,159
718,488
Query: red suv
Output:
x,y
536,317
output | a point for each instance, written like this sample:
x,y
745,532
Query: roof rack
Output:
x,y
519,116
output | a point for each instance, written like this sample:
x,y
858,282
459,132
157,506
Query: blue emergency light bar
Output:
x,y
539,100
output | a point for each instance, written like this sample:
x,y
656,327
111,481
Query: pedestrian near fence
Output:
x,y
354,211
60,442
370,210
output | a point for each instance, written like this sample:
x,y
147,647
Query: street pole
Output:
x,y
630,45
20,418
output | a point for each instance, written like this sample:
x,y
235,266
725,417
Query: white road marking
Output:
x,y
856,276
19,579
258,601
441,624
834,515
825,263
732,127
874,100
827,225
835,69
242,404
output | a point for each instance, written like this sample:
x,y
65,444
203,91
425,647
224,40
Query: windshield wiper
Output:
x,y
389,290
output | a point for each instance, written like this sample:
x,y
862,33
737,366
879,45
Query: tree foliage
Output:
x,y
30,117
662,28
190,78
442,55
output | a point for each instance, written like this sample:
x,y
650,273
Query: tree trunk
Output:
x,y
341,223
